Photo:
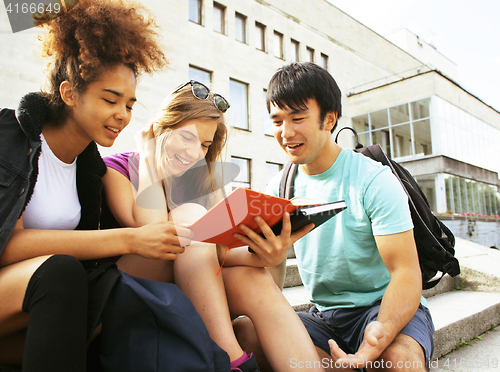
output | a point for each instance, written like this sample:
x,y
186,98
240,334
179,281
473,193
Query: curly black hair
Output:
x,y
92,37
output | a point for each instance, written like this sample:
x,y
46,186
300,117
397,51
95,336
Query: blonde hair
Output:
x,y
178,108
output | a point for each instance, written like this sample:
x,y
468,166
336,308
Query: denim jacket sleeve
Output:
x,y
18,170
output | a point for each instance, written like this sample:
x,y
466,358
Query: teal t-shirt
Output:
x,y
339,262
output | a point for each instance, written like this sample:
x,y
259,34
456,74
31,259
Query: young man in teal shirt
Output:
x,y
361,267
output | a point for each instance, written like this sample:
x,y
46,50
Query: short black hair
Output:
x,y
294,84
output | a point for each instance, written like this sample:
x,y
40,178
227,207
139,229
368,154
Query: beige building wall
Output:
x,y
358,58
424,51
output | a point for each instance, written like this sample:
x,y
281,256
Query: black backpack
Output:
x,y
435,242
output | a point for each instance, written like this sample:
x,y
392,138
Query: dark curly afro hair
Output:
x,y
92,37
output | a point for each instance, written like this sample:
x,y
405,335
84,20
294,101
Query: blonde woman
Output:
x,y
172,180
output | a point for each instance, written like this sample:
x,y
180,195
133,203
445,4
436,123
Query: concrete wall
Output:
x,y
486,233
443,164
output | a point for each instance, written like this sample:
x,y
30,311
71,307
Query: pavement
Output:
x,y
480,354
477,308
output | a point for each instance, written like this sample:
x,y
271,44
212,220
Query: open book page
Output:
x,y
300,200
312,209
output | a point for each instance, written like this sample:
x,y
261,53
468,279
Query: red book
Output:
x,y
240,207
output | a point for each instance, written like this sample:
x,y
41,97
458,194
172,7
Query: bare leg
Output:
x,y
403,355
14,280
329,363
158,270
12,347
284,339
195,272
247,337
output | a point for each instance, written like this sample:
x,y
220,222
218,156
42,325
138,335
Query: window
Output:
x,y
310,54
467,196
198,74
243,178
294,51
420,109
324,61
260,36
218,18
272,169
278,44
460,135
195,11
401,140
428,186
240,27
401,131
360,125
268,123
422,137
238,93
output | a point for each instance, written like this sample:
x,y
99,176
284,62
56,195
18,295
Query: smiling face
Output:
x,y
104,109
187,144
303,137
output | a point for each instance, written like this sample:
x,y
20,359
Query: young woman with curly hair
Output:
x,y
50,181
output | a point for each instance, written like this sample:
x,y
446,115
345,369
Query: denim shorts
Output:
x,y
346,327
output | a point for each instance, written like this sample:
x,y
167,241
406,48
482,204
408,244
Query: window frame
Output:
x,y
389,120
243,19
199,12
193,68
235,104
323,58
222,10
261,36
269,178
310,54
238,183
294,54
278,45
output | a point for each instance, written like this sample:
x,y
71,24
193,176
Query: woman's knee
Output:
x,y
60,277
187,213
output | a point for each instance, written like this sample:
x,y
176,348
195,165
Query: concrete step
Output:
x,y
478,355
447,283
292,278
460,316
298,298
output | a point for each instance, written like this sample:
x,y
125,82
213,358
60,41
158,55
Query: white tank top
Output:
x,y
54,204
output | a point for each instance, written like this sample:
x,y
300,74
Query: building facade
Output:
x,y
401,94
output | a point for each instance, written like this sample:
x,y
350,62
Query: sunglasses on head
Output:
x,y
201,91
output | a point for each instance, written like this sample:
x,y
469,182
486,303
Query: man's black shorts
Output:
x,y
346,327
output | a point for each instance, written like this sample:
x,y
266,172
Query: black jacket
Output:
x,y
20,146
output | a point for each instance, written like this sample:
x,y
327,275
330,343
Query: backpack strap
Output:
x,y
287,180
